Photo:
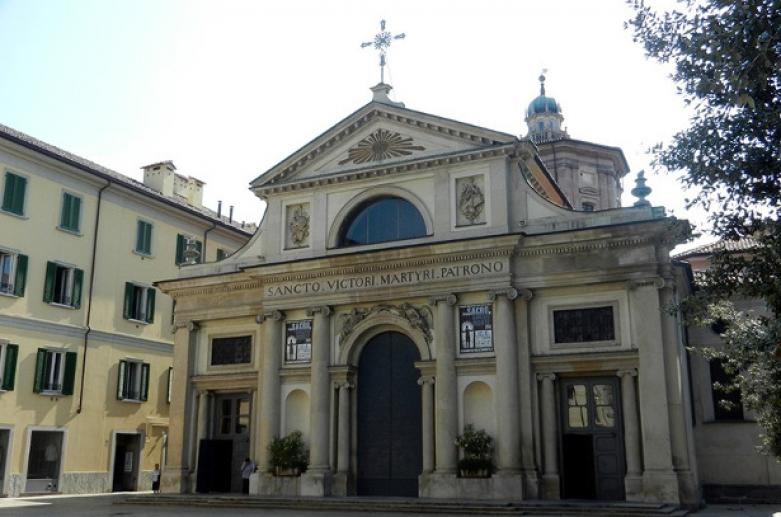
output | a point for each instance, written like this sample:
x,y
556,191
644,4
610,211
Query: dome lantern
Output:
x,y
544,118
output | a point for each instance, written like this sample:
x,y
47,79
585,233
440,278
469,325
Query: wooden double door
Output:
x,y
389,417
592,442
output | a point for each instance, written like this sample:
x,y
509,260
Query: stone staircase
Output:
x,y
412,506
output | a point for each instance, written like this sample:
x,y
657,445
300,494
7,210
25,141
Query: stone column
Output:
x,y
176,472
447,387
427,422
508,409
634,468
268,416
550,476
527,385
317,479
343,447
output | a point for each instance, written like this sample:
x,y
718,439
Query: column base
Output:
x,y
531,484
661,486
266,483
316,483
175,481
688,488
341,484
633,487
551,488
449,486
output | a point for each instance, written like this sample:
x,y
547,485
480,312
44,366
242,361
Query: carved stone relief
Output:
x,y
381,145
419,318
297,234
470,199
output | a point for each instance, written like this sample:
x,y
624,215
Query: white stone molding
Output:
x,y
275,315
449,298
525,294
325,310
380,191
654,281
377,323
510,292
426,379
632,372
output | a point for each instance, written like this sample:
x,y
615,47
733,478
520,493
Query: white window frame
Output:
x,y
144,303
49,376
69,281
14,258
136,378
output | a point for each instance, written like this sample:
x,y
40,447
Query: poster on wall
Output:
x,y
298,341
475,326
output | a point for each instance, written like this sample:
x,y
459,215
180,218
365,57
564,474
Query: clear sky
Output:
x,y
228,88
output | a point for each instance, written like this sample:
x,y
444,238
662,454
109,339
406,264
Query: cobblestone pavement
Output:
x,y
103,505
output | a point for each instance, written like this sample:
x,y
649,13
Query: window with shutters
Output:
x,y
62,285
8,354
13,273
221,254
139,303
70,213
143,237
14,190
181,247
133,380
55,372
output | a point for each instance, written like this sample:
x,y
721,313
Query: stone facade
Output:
x,y
516,252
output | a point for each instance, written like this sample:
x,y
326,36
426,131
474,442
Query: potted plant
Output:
x,y
477,452
289,456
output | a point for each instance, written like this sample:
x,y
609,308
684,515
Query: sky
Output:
x,y
226,89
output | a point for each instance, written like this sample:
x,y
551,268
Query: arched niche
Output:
x,y
479,407
297,413
377,192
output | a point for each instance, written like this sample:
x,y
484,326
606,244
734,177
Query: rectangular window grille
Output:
x,y
70,215
13,193
720,383
584,325
139,303
55,372
8,354
144,238
475,324
133,381
231,350
13,273
62,285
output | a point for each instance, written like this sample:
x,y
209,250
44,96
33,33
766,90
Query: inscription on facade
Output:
x,y
346,283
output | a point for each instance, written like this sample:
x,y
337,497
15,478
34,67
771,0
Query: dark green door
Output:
x,y
389,414
592,443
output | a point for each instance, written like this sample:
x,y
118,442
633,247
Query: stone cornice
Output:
x,y
570,248
227,287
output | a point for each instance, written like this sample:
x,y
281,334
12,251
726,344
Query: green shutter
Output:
x,y
78,281
148,238
221,254
21,275
75,215
144,381
9,368
127,310
13,195
150,305
70,373
65,212
144,237
122,372
48,285
40,365
140,236
179,249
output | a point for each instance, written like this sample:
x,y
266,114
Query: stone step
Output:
x,y
416,506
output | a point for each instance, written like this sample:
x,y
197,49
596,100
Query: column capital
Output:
x,y
510,292
655,281
190,325
450,298
325,310
344,385
275,315
546,377
426,379
525,294
631,372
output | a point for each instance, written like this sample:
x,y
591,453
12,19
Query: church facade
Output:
x,y
414,275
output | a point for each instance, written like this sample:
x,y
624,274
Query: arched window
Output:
x,y
382,219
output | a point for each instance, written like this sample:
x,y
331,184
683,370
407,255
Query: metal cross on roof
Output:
x,y
381,42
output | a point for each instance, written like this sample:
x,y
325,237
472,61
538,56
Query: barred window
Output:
x,y
231,350
584,325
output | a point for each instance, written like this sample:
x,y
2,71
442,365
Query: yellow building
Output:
x,y
85,338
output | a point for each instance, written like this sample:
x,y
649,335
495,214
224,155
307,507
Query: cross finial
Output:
x,y
542,81
381,42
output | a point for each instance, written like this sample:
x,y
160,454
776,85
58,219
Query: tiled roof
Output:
x,y
83,164
744,244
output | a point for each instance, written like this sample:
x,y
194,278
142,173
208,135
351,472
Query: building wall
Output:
x,y
31,323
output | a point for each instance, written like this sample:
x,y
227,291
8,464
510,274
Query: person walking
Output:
x,y
247,468
156,479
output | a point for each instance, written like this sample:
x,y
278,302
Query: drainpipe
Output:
x,y
205,237
89,296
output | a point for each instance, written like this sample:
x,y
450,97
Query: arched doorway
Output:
x,y
389,417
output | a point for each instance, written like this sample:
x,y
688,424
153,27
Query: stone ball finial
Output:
x,y
641,191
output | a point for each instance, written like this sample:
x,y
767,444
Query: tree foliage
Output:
x,y
727,65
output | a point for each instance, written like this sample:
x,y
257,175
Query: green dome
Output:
x,y
543,104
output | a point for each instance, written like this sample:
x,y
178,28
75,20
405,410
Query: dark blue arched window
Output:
x,y
380,220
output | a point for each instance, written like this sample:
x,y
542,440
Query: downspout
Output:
x,y
89,296
205,237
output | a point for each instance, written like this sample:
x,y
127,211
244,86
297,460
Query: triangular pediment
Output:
x,y
378,135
